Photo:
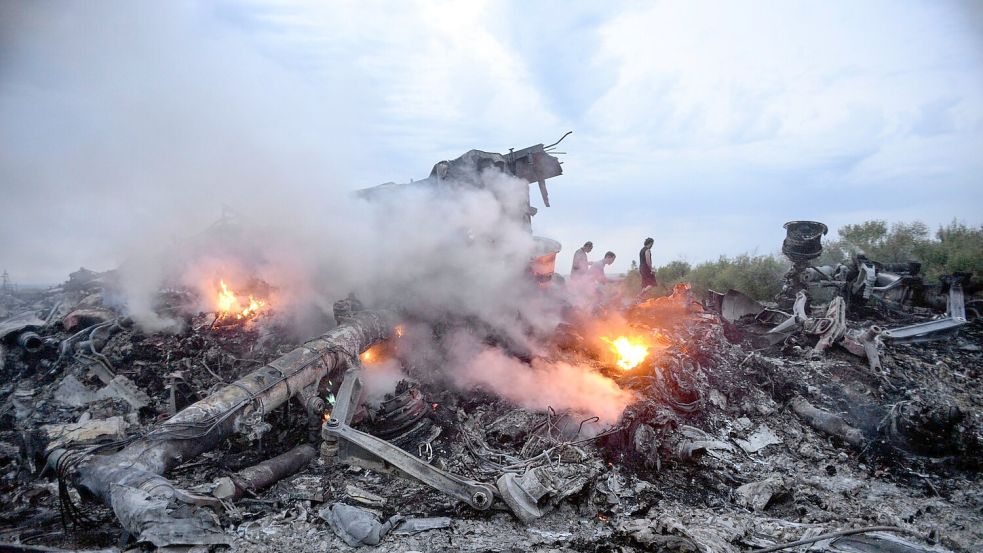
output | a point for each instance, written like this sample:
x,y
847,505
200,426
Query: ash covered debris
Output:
x,y
420,418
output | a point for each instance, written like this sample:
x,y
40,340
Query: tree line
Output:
x,y
951,248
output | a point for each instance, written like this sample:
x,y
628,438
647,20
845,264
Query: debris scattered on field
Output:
x,y
716,425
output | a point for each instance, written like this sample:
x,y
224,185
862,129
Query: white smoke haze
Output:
x,y
173,119
438,254
428,250
543,384
380,379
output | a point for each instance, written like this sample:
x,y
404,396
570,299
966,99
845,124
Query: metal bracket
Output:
x,y
475,494
349,444
798,317
934,330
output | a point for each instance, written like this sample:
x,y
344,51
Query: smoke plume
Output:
x,y
172,127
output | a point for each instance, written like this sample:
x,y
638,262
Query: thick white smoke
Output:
x,y
557,384
170,124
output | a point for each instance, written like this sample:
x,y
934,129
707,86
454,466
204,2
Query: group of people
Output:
x,y
583,269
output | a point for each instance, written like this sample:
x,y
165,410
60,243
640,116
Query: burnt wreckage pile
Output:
x,y
851,404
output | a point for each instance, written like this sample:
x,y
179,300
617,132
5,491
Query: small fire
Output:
x,y
399,331
230,306
374,354
630,352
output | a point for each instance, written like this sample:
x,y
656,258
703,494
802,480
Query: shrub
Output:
x,y
955,247
759,276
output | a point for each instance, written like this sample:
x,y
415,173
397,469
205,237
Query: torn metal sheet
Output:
x,y
759,439
72,392
19,323
357,526
757,495
63,435
412,526
735,305
151,517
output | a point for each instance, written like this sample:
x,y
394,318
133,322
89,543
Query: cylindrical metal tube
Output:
x,y
266,473
827,422
30,341
803,240
203,425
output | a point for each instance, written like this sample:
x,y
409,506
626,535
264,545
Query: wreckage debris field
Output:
x,y
725,445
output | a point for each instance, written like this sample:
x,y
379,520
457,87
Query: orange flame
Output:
x,y
370,355
229,305
630,351
227,301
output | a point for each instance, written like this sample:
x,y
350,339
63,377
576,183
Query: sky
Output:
x,y
705,125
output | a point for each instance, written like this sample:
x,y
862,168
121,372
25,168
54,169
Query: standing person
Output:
x,y
645,265
580,264
596,270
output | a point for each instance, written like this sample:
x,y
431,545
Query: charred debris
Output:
x,y
843,416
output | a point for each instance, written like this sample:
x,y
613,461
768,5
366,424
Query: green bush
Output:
x,y
673,272
955,247
759,276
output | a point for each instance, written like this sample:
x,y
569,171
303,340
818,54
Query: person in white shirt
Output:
x,y
596,271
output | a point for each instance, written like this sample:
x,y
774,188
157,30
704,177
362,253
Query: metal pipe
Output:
x,y
827,422
30,341
264,474
202,426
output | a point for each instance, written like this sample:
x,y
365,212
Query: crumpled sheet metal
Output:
x,y
735,305
153,518
761,438
62,435
757,495
72,392
540,489
20,323
357,526
695,442
412,526
696,531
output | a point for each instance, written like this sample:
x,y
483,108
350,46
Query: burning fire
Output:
x,y
230,306
373,355
630,352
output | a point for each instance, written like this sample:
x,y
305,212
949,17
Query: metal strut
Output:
x,y
347,444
